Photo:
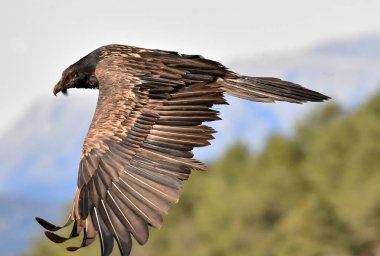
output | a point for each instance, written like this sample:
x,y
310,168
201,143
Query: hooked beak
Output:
x,y
58,88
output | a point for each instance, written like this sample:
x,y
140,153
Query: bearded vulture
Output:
x,y
149,117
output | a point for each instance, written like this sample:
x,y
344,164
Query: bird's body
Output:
x,y
149,117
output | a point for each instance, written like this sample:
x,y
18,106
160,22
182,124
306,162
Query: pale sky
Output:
x,y
41,38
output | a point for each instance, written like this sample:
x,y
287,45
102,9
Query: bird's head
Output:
x,y
75,78
79,75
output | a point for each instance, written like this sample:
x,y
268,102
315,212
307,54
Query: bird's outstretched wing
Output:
x,y
138,149
148,119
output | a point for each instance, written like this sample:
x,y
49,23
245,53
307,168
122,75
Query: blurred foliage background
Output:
x,y
314,193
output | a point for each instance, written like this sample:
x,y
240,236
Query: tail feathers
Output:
x,y
269,89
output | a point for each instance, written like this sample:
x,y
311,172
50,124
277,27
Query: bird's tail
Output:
x,y
268,89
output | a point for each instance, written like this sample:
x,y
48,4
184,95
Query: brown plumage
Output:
x,y
149,117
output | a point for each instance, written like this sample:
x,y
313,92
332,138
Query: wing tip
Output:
x,y
47,225
72,248
55,238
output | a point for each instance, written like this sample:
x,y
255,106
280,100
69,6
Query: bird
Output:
x,y
150,115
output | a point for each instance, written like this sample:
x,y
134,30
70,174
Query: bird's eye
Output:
x,y
71,77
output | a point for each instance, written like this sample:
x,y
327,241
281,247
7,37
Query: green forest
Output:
x,y
314,193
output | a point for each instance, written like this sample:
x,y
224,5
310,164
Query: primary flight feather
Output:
x,y
148,118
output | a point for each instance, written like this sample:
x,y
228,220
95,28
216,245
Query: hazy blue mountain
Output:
x,y
346,70
39,156
364,47
44,147
38,160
